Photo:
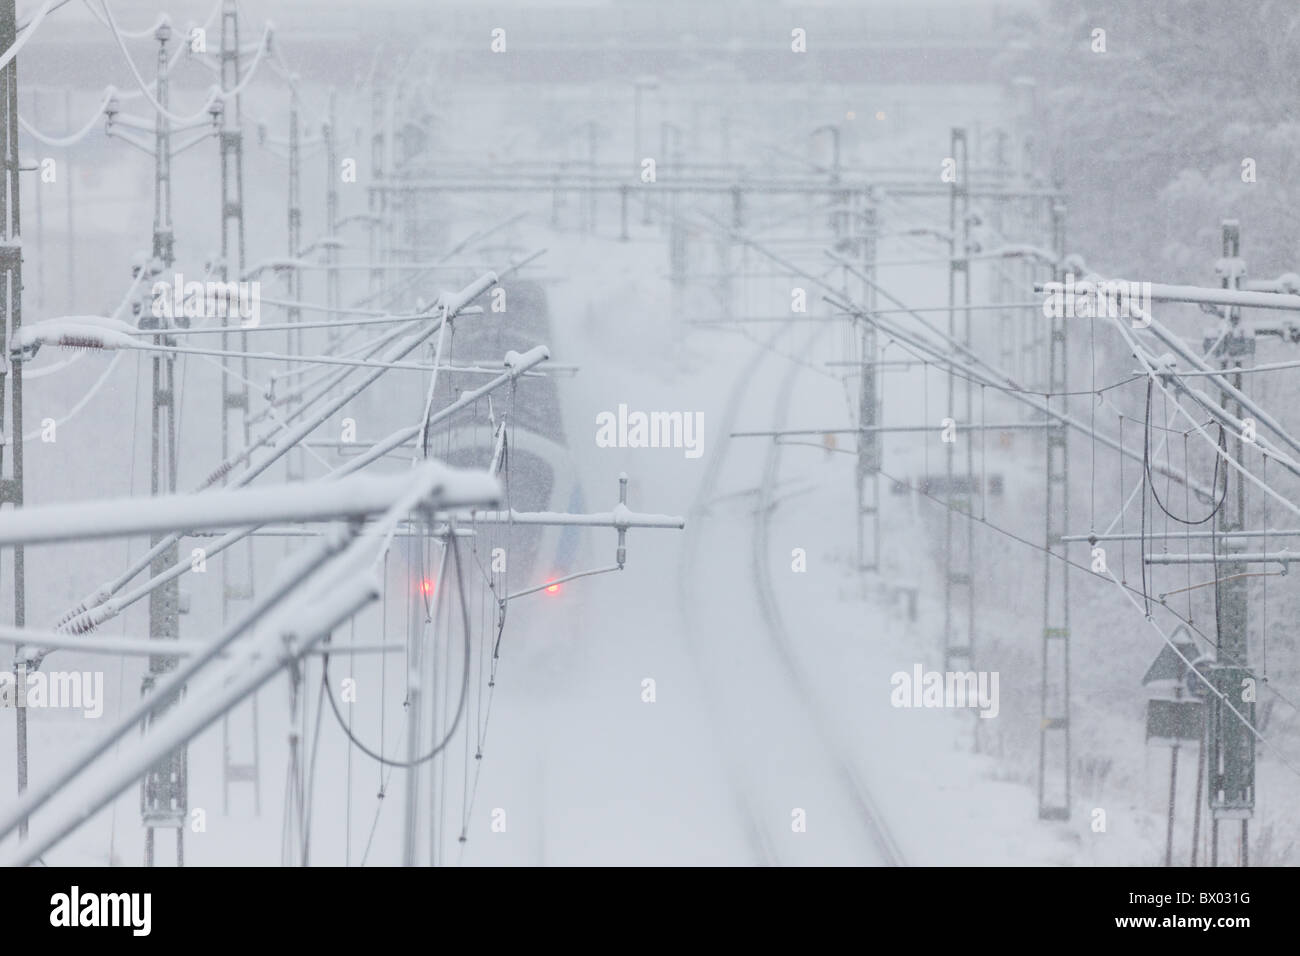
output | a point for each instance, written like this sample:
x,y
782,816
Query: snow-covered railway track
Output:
x,y
766,697
868,814
688,581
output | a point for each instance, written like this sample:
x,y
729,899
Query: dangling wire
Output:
x,y
1263,627
1146,465
1187,507
464,690
1123,543
984,459
925,392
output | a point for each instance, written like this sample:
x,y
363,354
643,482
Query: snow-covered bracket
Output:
x,y
98,332
352,498
316,589
621,518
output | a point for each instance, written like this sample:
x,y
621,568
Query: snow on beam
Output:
x,y
453,302
1020,249
1196,295
339,583
150,647
73,331
192,715
358,496
620,517
1283,557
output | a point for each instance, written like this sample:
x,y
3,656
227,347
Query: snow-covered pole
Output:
x,y
1221,380
102,605
11,374
399,350
1203,295
192,715
451,303
144,646
342,588
293,573
164,602
416,620
356,497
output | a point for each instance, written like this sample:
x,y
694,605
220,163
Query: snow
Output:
x,y
522,362
454,302
769,653
620,517
356,496
76,331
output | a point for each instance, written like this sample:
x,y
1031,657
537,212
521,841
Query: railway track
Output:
x,y
868,813
789,703
760,844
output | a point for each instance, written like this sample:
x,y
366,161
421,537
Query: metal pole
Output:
x,y
1232,753
235,398
193,716
11,373
40,222
332,173
68,282
1200,789
163,797
295,469
958,649
414,704
869,402
1054,693
1173,790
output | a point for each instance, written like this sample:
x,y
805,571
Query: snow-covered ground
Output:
x,y
727,698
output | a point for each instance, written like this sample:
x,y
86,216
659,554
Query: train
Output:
x,y
540,473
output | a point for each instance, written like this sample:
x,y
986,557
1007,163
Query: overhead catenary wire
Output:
x,y
460,706
1064,559
947,365
26,33
72,138
215,94
301,835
